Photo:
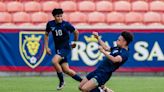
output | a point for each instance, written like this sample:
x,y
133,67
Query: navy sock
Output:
x,y
77,77
95,90
60,76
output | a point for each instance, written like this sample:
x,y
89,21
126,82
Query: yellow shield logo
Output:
x,y
31,47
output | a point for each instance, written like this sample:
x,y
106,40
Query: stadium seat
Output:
x,y
68,6
100,24
14,6
2,7
136,24
26,24
163,18
140,6
20,17
86,6
96,17
8,24
39,17
157,6
133,17
115,17
152,17
32,6
155,24
122,6
81,24
5,17
78,17
104,6
42,24
48,6
118,24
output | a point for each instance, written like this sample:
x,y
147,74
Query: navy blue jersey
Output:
x,y
60,32
108,66
104,71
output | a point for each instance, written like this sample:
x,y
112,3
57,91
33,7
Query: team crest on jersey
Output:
x,y
31,47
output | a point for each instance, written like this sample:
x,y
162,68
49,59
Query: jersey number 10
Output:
x,y
58,32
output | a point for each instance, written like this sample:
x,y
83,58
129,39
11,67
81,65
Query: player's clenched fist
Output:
x,y
48,50
101,49
73,45
96,35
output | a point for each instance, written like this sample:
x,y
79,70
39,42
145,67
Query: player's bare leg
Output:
x,y
83,82
70,72
56,59
88,86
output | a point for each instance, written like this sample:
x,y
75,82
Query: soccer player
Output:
x,y
61,34
118,56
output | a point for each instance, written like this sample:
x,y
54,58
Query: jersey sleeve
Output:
x,y
124,54
111,48
70,27
48,29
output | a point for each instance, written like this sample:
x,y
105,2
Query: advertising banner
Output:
x,y
23,50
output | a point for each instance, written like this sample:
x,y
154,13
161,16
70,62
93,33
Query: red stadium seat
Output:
x,y
155,24
2,7
48,6
140,6
42,24
39,17
86,6
157,6
20,17
5,17
69,6
78,17
163,18
26,24
137,24
96,17
115,17
14,6
133,17
122,6
81,24
100,24
118,24
152,17
32,6
104,6
8,24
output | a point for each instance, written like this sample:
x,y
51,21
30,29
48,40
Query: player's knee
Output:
x,y
56,59
54,62
66,71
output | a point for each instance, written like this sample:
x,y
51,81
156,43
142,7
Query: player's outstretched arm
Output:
x,y
110,57
76,36
46,43
102,43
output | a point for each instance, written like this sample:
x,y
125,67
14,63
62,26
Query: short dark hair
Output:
x,y
127,36
57,11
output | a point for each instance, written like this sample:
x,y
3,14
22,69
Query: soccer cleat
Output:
x,y
60,86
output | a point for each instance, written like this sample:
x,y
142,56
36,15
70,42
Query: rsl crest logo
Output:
x,y
31,47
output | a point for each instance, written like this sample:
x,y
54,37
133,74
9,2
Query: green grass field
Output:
x,y
48,84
